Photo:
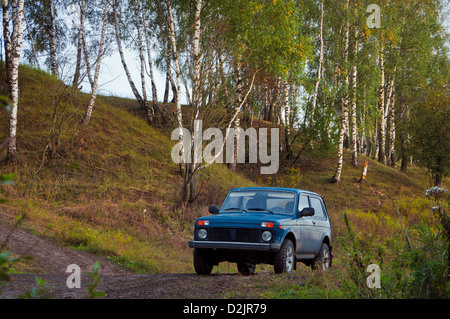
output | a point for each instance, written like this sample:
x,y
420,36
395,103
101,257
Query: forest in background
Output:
x,y
370,78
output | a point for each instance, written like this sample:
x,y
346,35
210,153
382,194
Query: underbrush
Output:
x,y
408,246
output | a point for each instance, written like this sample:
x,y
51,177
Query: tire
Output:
x,y
246,269
202,262
284,261
323,259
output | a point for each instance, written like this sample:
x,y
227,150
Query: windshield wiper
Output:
x,y
260,209
233,208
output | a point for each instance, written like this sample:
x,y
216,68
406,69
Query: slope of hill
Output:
x,y
113,190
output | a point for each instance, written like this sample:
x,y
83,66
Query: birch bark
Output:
x,y
190,180
178,75
320,67
156,107
392,155
344,116
122,58
355,83
52,36
13,46
76,78
149,110
85,50
287,120
88,115
382,133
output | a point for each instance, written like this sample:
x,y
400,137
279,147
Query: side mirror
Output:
x,y
307,211
213,209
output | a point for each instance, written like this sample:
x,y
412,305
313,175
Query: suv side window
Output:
x,y
303,202
317,205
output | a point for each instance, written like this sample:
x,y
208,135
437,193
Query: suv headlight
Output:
x,y
202,233
266,235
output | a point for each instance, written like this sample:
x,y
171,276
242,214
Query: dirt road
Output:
x,y
52,261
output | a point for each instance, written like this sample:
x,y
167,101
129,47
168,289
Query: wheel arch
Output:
x,y
290,235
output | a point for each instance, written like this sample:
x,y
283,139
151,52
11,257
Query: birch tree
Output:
x,y
320,67
13,44
156,107
150,110
179,114
48,31
353,105
344,103
80,38
382,122
90,107
52,38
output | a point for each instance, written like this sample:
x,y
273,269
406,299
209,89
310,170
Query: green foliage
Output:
x,y
269,34
414,264
38,292
93,291
429,262
5,264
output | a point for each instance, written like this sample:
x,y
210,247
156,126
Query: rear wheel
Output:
x,y
323,258
285,258
202,262
246,268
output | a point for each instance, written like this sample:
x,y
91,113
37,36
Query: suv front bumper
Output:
x,y
234,245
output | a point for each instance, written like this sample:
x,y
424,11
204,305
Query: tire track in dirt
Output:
x,y
52,260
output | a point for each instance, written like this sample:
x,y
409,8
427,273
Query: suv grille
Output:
x,y
248,235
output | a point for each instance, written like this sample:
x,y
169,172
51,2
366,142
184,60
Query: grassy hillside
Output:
x,y
112,189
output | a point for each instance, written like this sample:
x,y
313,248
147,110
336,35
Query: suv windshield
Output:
x,y
276,202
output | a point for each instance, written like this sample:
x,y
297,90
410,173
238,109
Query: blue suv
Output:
x,y
271,225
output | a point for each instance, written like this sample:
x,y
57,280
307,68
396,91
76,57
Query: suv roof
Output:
x,y
276,188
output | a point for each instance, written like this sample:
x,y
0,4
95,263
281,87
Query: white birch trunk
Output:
x,y
382,133
122,58
190,185
197,61
149,110
150,67
362,148
13,46
287,118
84,44
52,35
90,107
392,155
376,141
178,75
238,105
320,67
344,116
354,127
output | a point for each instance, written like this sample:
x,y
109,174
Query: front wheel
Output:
x,y
202,262
285,258
323,258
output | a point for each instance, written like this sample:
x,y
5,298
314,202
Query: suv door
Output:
x,y
306,243
320,222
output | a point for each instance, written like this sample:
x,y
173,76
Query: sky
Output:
x,y
113,80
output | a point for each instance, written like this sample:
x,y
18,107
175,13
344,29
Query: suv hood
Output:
x,y
242,219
